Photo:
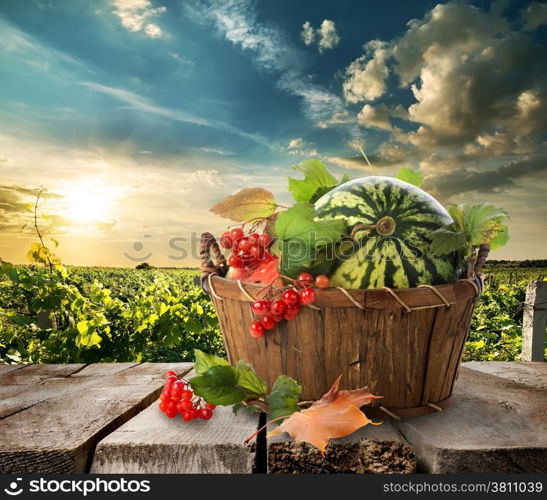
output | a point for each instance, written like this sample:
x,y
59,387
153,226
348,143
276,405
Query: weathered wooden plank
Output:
x,y
58,433
533,374
493,425
370,450
9,368
36,374
151,443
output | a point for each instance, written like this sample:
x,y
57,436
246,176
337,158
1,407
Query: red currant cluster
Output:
x,y
177,398
271,312
248,251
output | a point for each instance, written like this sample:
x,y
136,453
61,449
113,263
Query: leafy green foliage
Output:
x,y
205,361
249,380
472,226
317,181
301,238
411,176
283,399
75,315
219,386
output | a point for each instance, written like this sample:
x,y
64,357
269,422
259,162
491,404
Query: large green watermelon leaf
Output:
x,y
317,181
301,239
298,223
411,176
472,226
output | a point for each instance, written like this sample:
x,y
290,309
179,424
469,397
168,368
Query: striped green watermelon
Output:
x,y
396,253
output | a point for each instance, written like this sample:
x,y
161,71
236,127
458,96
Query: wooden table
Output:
x,y
103,418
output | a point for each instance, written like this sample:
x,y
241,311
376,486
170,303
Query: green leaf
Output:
x,y
247,204
500,239
249,380
446,241
317,181
482,222
82,327
283,399
205,361
411,176
218,386
298,223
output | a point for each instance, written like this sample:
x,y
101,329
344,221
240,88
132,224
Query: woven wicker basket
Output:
x,y
405,345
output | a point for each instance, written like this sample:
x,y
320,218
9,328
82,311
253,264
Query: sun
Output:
x,y
87,203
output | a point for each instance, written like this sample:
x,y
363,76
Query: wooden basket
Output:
x,y
405,345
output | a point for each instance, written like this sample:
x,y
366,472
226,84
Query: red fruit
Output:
x,y
256,252
205,413
260,307
277,317
278,308
268,322
178,386
263,240
257,329
292,312
169,373
210,406
184,406
235,261
322,281
307,296
238,273
226,240
236,233
186,395
165,395
163,405
187,416
265,273
171,413
194,413
291,297
245,245
253,238
304,279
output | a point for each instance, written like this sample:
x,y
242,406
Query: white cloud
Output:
x,y
308,33
270,50
221,152
134,15
534,15
375,116
296,143
325,36
366,76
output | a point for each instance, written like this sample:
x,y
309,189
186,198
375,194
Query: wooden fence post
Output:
x,y
533,322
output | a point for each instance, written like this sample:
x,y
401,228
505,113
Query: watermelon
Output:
x,y
396,253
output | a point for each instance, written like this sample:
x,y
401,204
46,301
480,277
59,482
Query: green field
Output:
x,y
106,314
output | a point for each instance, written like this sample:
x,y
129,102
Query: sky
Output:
x,y
136,116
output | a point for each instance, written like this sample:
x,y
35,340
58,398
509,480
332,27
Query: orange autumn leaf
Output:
x,y
336,414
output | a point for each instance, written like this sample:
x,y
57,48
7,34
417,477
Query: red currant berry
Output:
x,y
205,413
260,307
291,297
194,413
187,416
263,240
171,413
256,252
257,329
268,322
165,395
322,281
304,279
226,240
178,386
244,245
278,308
163,405
253,238
186,395
277,317
184,406
210,406
307,296
236,233
169,373
292,312
235,261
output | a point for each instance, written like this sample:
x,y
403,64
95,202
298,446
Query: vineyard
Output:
x,y
76,314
